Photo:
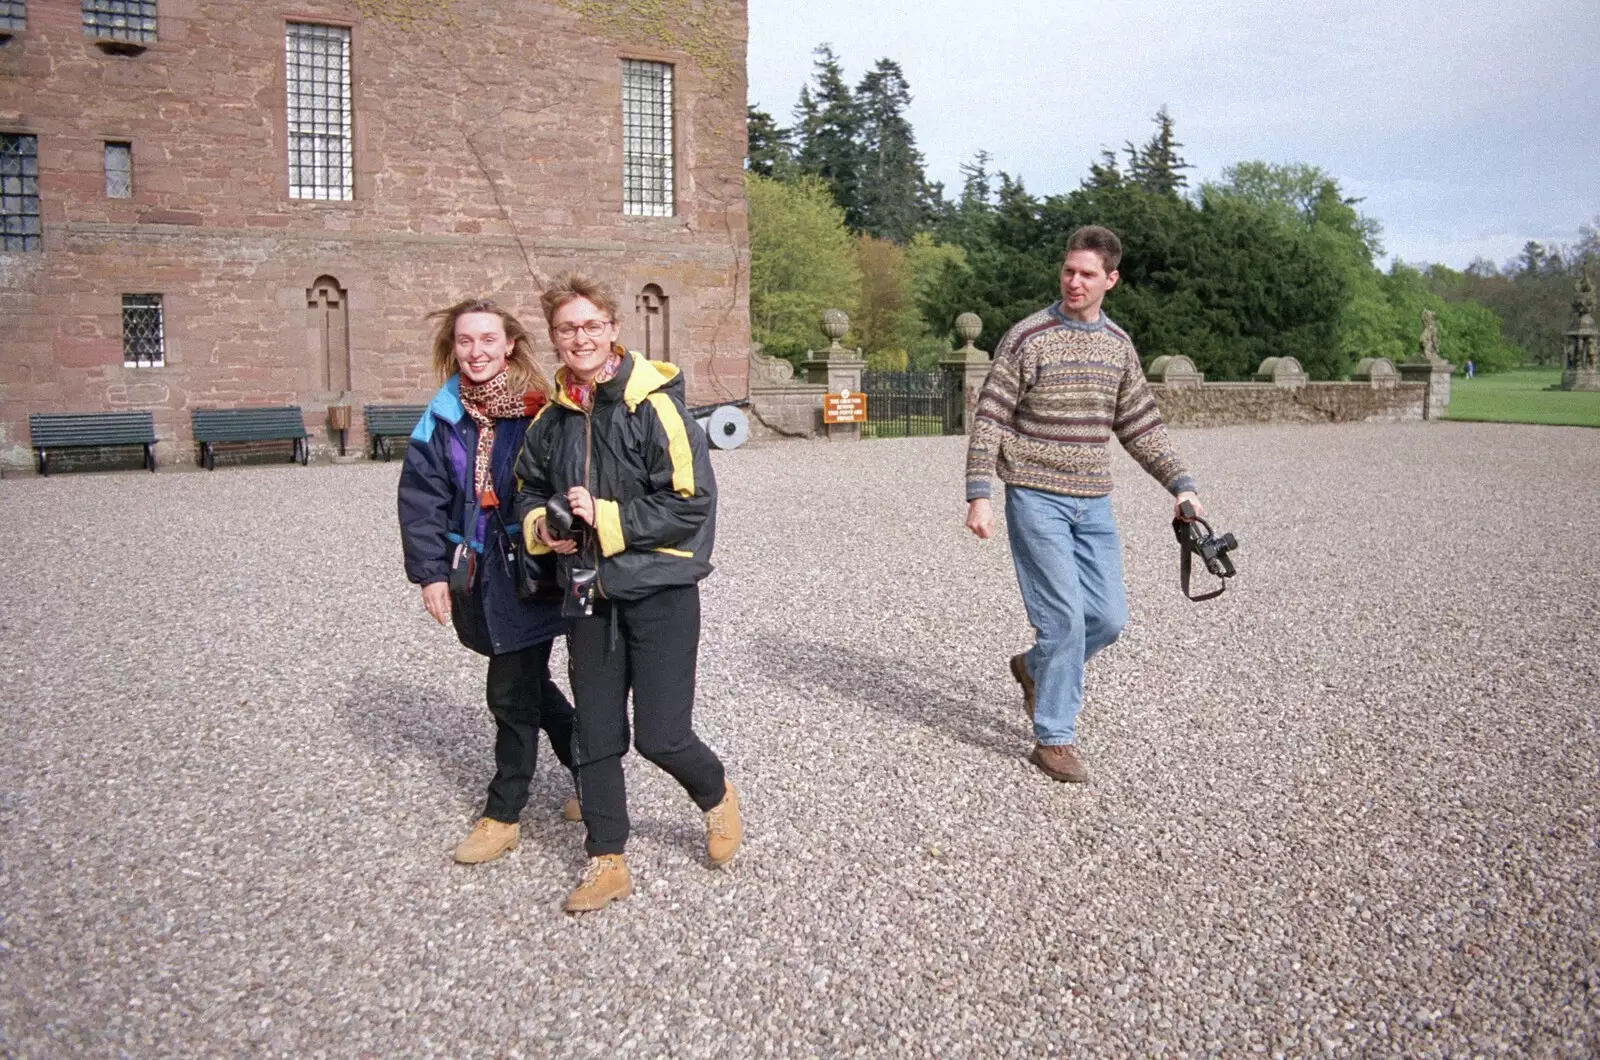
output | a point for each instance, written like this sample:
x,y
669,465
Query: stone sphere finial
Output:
x,y
968,327
835,322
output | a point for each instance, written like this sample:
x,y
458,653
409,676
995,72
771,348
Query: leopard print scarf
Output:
x,y
486,403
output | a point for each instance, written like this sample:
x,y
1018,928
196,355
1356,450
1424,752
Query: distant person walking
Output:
x,y
1064,380
618,460
456,496
1471,369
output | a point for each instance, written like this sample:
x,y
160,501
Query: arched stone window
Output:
x,y
651,307
328,333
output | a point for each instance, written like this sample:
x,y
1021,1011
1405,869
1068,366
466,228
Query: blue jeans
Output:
x,y
1068,557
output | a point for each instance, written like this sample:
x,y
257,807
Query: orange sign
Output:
x,y
846,406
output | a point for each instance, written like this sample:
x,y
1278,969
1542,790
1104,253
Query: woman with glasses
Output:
x,y
615,478
456,497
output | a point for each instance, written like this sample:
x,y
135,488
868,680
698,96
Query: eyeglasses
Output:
x,y
592,328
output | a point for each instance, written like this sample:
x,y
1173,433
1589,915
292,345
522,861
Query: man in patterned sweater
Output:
x,y
1063,382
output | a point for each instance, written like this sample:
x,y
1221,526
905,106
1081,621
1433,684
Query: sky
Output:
x,y
1467,127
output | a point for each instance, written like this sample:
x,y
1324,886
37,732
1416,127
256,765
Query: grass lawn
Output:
x,y
1520,397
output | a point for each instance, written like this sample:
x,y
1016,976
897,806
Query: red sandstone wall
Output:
x,y
524,93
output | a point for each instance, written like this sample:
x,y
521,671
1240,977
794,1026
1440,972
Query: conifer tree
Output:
x,y
1157,167
894,188
769,148
828,132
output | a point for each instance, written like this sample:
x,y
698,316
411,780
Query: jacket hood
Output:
x,y
639,376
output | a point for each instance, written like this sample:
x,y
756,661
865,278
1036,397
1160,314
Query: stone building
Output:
x,y
228,202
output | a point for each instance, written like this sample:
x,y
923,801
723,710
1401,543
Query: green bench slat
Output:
x,y
248,424
392,419
66,430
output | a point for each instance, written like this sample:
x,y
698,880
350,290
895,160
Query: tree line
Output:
x,y
1270,260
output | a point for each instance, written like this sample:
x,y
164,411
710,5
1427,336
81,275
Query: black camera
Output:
x,y
1195,538
558,518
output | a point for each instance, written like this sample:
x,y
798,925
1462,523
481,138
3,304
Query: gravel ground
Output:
x,y
1349,809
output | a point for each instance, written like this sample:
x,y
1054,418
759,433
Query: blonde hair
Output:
x,y
524,372
571,286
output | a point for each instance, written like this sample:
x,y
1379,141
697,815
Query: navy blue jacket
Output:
x,y
439,511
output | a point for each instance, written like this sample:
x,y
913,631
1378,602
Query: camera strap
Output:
x,y
1186,558
1184,565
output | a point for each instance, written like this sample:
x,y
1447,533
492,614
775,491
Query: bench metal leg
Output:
x,y
150,456
208,456
44,462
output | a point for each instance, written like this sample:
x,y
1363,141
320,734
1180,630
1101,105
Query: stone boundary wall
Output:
x,y
1231,404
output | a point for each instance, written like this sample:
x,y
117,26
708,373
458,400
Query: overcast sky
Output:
x,y
1468,126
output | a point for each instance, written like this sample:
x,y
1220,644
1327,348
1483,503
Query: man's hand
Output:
x,y
1193,498
436,601
563,545
582,502
980,518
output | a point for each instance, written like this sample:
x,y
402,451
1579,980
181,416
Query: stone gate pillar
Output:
x,y
838,368
964,372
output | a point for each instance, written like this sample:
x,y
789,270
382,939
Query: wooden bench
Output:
x,y
91,430
215,426
390,421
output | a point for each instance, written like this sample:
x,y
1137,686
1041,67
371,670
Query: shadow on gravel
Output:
x,y
401,721
918,694
405,722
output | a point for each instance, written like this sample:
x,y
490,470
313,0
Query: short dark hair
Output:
x,y
1103,241
571,286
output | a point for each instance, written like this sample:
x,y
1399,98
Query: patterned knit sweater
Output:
x,y
1058,390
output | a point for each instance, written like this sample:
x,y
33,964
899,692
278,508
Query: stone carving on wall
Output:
x,y
766,370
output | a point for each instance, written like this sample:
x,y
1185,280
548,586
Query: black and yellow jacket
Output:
x,y
648,466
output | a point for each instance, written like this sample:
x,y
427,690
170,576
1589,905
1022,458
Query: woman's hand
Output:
x,y
564,546
582,502
436,601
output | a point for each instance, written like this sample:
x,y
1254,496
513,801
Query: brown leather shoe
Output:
x,y
605,879
1019,670
489,839
572,810
724,829
1059,762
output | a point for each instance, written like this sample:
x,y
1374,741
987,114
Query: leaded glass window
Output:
x,y
318,66
13,16
646,138
119,170
125,20
143,340
19,192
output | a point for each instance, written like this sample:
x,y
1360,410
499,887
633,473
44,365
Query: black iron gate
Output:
x,y
908,404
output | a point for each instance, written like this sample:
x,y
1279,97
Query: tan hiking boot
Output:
x,y
1059,763
572,810
488,840
1019,670
724,829
605,879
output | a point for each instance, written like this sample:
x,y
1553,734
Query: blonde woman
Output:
x,y
456,495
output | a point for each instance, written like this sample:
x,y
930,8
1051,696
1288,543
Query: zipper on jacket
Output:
x,y
588,443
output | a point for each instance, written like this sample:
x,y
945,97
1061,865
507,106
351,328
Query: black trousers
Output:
x,y
523,700
649,647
